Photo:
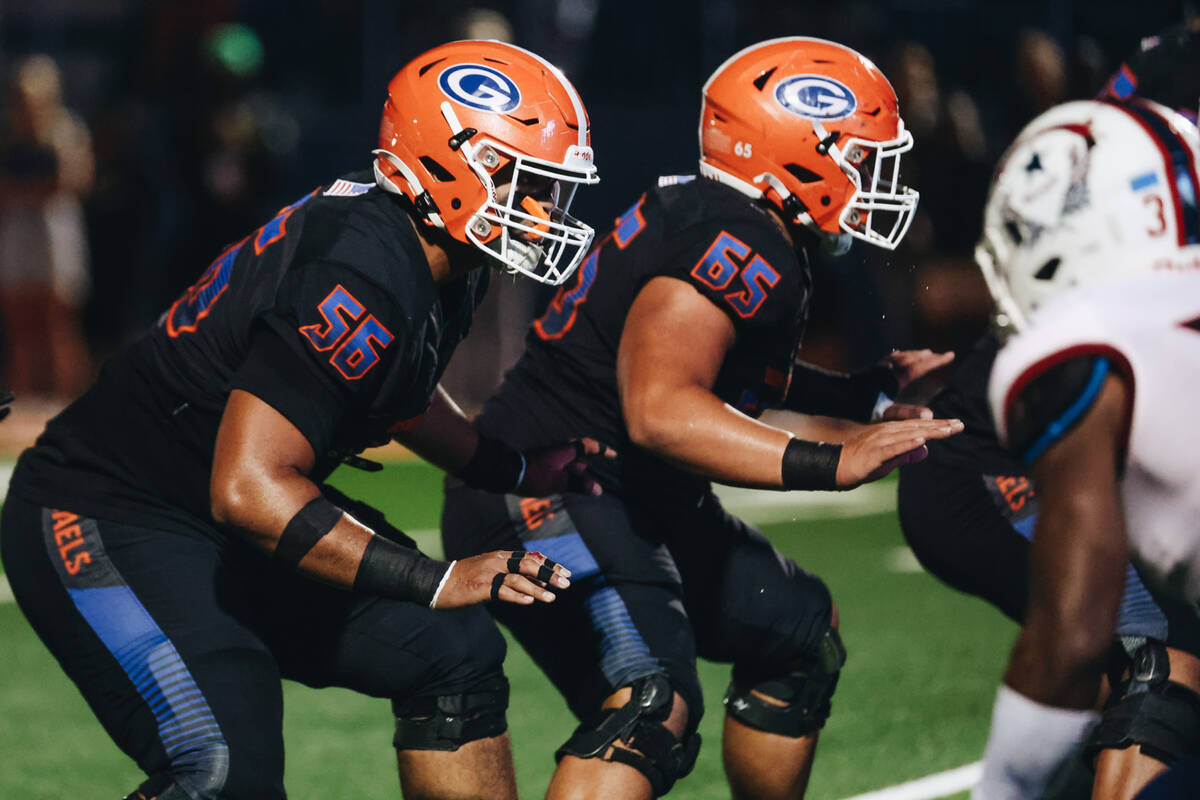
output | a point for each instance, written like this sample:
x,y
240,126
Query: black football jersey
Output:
x,y
695,230
328,313
977,448
1165,68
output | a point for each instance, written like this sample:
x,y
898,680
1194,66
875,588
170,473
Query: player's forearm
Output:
x,y
286,516
1057,666
447,439
260,505
443,436
693,429
1078,578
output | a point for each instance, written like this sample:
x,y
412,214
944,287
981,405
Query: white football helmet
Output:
x,y
1090,191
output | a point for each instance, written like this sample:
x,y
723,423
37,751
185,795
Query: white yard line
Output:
x,y
902,559
6,468
940,784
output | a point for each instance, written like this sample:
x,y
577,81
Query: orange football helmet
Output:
x,y
814,128
490,141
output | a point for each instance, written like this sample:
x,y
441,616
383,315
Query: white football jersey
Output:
x,y
1149,329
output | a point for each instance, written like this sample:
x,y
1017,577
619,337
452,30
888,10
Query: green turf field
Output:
x,y
914,698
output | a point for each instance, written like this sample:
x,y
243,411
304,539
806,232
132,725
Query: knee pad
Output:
x,y
804,693
1150,711
656,752
447,722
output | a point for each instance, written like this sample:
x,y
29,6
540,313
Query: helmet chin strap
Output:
x,y
388,183
835,244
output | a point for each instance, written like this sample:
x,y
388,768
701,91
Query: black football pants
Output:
x,y
653,586
179,647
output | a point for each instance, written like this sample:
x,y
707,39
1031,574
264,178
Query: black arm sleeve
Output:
x,y
835,394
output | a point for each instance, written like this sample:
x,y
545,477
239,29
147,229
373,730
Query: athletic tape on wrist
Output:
x,y
494,467
810,465
304,530
391,570
442,584
1027,743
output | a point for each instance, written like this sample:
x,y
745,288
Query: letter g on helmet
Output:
x,y
489,142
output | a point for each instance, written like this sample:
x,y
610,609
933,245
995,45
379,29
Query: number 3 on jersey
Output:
x,y
356,353
717,268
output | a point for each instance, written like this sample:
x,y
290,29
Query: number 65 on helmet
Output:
x,y
814,129
489,142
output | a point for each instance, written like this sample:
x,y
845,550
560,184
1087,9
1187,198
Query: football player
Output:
x,y
169,535
968,511
682,326
1163,68
1090,247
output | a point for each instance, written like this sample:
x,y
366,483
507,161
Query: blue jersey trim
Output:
x,y
1069,417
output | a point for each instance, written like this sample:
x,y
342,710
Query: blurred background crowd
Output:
x,y
137,137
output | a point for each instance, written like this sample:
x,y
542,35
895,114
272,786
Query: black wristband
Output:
x,y
304,530
810,465
495,467
401,573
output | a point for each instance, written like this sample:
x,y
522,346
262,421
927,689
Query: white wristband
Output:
x,y
441,584
1027,744
882,404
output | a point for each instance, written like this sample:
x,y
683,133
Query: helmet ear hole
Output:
x,y
1047,270
803,174
456,204
440,173
826,200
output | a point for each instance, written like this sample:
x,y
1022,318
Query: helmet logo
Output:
x,y
480,87
816,97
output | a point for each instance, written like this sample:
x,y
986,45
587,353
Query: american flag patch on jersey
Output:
x,y
344,188
674,180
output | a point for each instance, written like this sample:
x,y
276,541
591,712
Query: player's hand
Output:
x,y
511,576
878,449
561,468
6,398
911,365
900,411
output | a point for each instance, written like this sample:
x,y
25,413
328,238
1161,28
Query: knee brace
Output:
x,y
1150,711
447,722
803,694
656,752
